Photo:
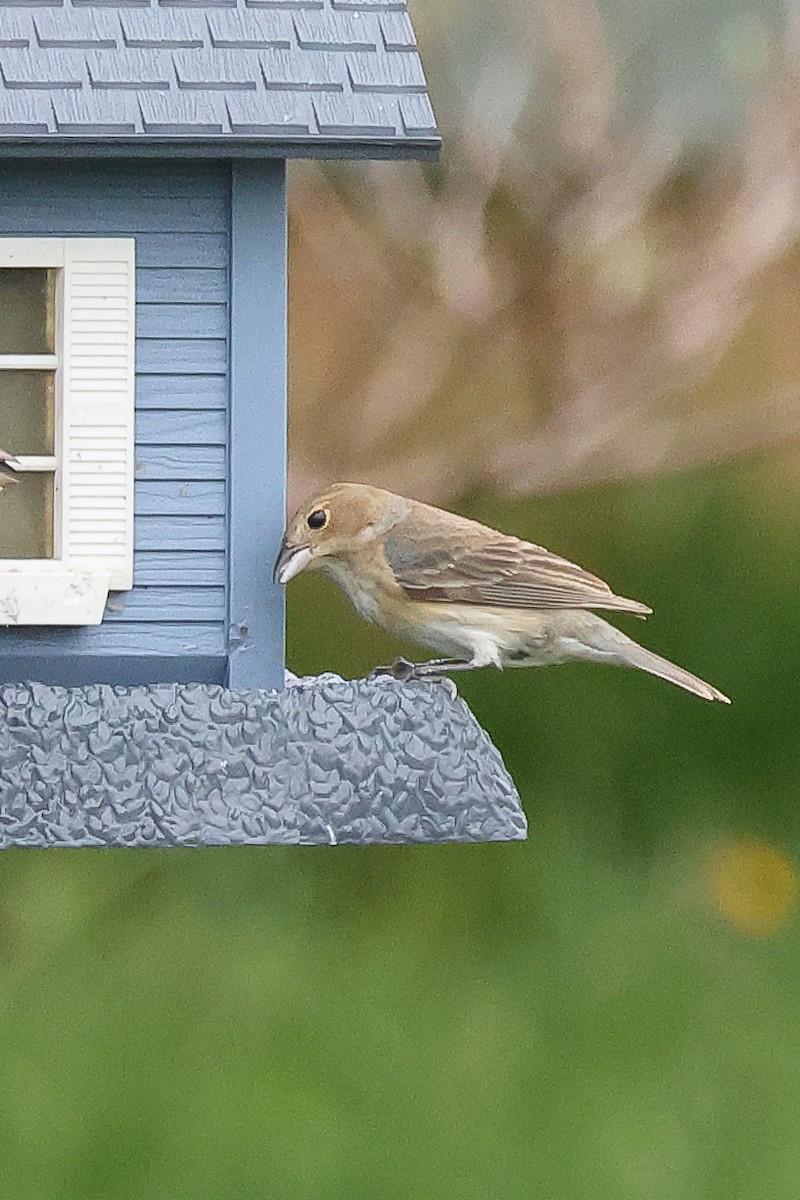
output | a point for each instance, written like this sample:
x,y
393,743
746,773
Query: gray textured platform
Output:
x,y
326,761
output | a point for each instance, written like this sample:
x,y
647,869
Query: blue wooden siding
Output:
x,y
179,214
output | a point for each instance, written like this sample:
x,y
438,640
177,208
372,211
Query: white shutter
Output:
x,y
97,407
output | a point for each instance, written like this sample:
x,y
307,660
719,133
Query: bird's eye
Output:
x,y
318,519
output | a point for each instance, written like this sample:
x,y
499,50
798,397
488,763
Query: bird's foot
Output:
x,y
404,671
400,669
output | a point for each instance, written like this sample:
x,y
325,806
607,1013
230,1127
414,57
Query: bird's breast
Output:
x,y
362,590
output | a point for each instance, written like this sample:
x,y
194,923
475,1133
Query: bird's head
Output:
x,y
339,522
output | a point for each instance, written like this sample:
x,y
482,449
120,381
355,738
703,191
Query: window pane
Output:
x,y
27,412
26,517
27,311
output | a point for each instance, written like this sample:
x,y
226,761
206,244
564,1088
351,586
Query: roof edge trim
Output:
x,y
421,149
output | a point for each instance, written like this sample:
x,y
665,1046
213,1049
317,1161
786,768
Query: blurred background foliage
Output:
x,y
581,327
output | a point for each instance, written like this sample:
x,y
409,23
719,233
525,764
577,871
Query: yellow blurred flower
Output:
x,y
753,885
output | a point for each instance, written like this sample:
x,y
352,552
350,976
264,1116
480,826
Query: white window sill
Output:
x,y
51,593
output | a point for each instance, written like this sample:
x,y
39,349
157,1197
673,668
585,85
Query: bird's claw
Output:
x,y
448,684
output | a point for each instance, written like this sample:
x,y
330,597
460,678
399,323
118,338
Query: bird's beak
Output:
x,y
290,562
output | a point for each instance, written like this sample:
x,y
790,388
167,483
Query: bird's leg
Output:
x,y
400,669
441,666
403,670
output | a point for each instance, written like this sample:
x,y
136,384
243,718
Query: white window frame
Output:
x,y
93,451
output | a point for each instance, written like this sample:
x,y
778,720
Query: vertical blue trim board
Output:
x,y
258,411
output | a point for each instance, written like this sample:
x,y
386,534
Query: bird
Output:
x,y
473,595
8,467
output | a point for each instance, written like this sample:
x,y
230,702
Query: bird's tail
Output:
x,y
631,654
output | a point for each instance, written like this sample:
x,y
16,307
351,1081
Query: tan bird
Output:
x,y
8,465
475,596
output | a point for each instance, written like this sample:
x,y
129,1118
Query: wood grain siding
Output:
x,y
195,427
175,392
162,568
163,638
179,214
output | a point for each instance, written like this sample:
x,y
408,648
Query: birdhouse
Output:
x,y
143,363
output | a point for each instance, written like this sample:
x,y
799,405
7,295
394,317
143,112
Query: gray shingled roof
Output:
x,y
319,78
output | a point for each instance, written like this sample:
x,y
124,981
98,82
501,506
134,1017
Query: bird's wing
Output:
x,y
490,568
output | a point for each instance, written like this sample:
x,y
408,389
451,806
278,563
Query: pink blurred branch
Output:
x,y
549,314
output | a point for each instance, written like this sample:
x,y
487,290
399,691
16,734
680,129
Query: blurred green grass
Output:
x,y
570,1017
